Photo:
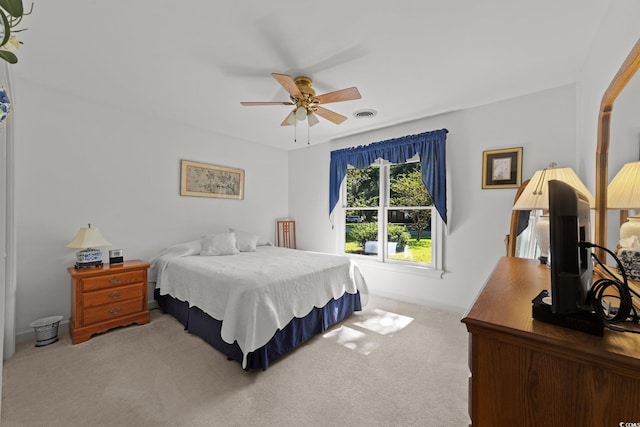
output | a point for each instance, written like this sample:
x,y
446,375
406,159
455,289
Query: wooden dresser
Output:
x,y
106,297
529,373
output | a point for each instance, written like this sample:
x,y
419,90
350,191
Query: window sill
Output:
x,y
392,266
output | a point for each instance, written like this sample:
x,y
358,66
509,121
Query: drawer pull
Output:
x,y
115,311
115,295
115,280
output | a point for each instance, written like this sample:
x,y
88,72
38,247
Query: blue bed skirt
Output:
x,y
199,323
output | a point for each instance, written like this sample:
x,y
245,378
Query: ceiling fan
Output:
x,y
306,102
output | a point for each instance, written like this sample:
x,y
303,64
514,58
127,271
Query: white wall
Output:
x,y
78,162
542,123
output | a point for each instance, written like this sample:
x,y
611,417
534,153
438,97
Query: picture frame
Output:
x,y
502,168
206,180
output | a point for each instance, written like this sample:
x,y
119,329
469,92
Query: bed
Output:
x,y
254,302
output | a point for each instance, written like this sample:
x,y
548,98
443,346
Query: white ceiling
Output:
x,y
194,61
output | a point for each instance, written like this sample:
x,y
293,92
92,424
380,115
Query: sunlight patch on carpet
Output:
x,y
351,339
384,322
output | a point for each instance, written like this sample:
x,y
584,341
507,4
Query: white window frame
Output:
x,y
437,229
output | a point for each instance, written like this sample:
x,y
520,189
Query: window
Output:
x,y
375,216
389,215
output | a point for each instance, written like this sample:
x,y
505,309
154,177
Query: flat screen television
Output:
x,y
571,264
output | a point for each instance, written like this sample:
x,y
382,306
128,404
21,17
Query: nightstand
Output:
x,y
105,297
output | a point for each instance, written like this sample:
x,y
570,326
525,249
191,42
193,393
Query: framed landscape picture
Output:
x,y
204,180
502,168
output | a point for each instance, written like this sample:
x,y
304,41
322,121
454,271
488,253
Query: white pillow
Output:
x,y
264,242
219,244
182,249
247,240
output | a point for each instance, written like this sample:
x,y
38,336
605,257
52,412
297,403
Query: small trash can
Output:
x,y
46,330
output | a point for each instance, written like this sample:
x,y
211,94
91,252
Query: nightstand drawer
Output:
x,y
106,296
124,278
111,311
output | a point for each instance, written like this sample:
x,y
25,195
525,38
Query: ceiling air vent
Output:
x,y
364,114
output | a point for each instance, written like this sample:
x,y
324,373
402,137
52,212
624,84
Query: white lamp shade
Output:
x,y
88,237
313,120
301,114
291,118
624,190
536,194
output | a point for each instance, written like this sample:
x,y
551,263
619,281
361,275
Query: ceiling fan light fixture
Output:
x,y
313,120
301,113
291,119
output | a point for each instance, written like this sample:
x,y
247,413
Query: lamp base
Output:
x,y
630,228
89,264
88,258
541,233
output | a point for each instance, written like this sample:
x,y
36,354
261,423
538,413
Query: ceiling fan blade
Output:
x,y
339,95
267,103
290,120
330,115
287,82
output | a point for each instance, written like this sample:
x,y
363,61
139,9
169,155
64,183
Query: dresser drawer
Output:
x,y
111,280
112,311
106,296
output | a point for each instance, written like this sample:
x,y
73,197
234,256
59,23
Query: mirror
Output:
x,y
520,243
628,143
619,82
625,148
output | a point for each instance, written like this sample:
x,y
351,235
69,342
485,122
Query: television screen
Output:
x,y
571,264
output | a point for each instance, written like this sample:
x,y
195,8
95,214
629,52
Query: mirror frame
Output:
x,y
620,80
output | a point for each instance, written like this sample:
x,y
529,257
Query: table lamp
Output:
x,y
87,239
536,196
624,193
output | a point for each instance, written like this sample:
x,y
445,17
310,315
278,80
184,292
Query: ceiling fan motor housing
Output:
x,y
308,94
304,84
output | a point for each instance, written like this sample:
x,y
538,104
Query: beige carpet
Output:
x,y
393,364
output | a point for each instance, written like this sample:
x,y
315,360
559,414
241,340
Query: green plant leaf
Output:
x,y
7,28
13,7
10,57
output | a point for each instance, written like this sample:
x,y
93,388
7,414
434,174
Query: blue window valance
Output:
x,y
430,146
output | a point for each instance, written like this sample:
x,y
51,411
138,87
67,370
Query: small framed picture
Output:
x,y
502,168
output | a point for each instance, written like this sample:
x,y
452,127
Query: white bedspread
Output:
x,y
255,293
